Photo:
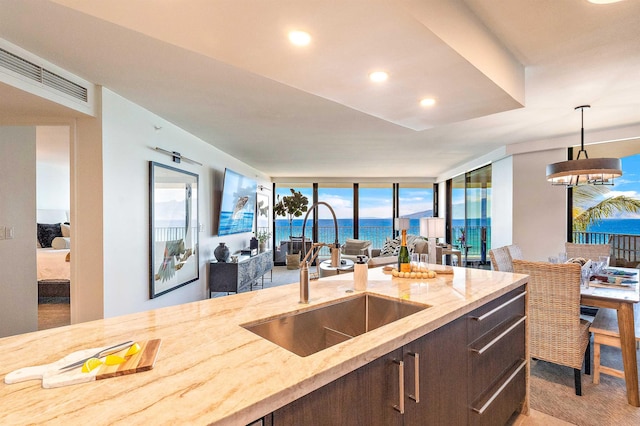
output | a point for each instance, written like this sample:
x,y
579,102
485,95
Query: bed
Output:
x,y
52,264
53,260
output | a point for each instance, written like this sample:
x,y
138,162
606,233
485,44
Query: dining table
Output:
x,y
622,298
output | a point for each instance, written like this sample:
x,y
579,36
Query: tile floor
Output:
x,y
537,418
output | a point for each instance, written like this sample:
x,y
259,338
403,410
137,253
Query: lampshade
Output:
x,y
581,171
432,227
402,223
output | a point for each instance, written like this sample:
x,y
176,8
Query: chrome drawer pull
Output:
x,y
504,333
400,406
499,391
416,376
493,311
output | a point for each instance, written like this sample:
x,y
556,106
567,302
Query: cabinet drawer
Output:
x,y
494,353
497,405
487,317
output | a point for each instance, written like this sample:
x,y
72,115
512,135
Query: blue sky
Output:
x,y
374,202
629,183
377,203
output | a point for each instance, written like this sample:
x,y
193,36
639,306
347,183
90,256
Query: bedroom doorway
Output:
x,y
53,195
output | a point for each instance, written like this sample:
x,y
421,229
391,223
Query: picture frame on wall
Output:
x,y
173,228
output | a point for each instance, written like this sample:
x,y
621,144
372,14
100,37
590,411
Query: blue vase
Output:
x,y
221,253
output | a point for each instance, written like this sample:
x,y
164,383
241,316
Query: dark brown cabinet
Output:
x,y
497,360
363,397
420,383
442,383
469,371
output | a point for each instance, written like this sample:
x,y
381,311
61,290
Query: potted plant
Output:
x,y
291,206
263,236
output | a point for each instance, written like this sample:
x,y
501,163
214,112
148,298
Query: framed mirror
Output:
x,y
173,228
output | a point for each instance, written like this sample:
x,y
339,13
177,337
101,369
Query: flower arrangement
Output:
x,y
462,238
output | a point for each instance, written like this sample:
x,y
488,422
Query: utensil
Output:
x,y
107,351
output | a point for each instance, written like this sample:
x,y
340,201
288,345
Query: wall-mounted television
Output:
x,y
238,204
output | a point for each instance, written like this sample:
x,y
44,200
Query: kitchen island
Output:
x,y
211,370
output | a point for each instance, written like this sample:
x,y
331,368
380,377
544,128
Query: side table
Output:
x,y
326,270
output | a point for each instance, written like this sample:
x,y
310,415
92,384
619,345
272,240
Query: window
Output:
x,y
340,198
415,201
375,213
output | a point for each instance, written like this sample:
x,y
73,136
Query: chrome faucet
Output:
x,y
304,266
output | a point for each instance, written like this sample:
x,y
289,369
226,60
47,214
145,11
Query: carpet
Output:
x,y
552,392
282,276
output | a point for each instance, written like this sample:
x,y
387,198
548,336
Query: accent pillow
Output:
x,y
66,229
60,243
391,247
47,232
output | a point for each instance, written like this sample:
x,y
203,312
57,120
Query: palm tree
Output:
x,y
591,205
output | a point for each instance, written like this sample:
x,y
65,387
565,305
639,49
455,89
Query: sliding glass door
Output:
x,y
470,214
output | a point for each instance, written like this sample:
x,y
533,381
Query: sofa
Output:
x,y
386,255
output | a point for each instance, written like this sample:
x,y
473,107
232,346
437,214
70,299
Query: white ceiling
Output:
x,y
502,71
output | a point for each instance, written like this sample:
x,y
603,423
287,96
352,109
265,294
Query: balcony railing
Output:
x,y
623,246
171,233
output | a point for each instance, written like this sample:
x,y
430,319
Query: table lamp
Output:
x,y
432,228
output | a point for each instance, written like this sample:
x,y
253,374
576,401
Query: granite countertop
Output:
x,y
210,369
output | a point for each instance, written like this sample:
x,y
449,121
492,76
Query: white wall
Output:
x,y
129,139
87,278
502,202
52,168
18,279
539,208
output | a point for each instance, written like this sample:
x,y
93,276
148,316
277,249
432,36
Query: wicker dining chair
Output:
x,y
587,251
515,252
557,334
500,259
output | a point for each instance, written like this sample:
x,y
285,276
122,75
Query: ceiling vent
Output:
x,y
41,75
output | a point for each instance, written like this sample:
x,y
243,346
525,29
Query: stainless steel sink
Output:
x,y
305,333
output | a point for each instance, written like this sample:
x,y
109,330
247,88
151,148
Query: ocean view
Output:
x,y
377,230
617,226
374,230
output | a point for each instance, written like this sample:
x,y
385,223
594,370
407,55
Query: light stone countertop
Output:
x,y
211,370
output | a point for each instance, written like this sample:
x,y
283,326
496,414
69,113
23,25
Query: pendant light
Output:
x,y
584,171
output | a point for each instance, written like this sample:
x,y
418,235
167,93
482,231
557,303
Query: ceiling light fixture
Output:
x,y
378,76
427,102
299,38
589,171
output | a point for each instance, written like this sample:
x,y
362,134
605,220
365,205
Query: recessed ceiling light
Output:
x,y
427,102
378,76
299,38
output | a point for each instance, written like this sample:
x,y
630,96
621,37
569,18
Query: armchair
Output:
x,y
353,248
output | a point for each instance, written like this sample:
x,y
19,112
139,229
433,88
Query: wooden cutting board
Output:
x,y
51,377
